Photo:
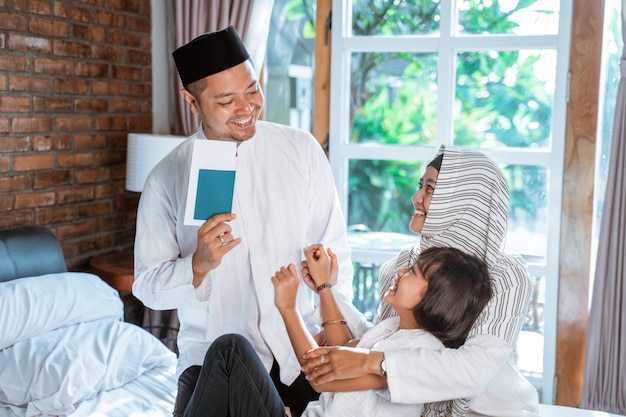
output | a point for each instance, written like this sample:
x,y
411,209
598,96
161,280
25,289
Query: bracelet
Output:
x,y
324,285
334,322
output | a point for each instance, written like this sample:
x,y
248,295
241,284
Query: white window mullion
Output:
x,y
339,96
555,199
446,77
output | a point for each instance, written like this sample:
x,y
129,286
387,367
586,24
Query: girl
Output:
x,y
436,299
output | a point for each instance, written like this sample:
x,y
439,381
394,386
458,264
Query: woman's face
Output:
x,y
421,199
406,292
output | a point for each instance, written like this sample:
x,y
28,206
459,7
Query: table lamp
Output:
x,y
144,151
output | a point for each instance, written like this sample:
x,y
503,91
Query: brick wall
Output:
x,y
75,78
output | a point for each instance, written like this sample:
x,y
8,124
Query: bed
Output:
x,y
64,347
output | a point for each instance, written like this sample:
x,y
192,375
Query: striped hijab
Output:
x,y
468,211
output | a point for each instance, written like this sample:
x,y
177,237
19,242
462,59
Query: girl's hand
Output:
x,y
285,287
318,264
306,276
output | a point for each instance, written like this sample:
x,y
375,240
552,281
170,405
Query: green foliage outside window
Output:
x,y
502,99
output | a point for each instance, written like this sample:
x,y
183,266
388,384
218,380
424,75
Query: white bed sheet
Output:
x,y
562,411
75,357
152,394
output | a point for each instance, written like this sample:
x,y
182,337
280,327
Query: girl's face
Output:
x,y
421,199
407,292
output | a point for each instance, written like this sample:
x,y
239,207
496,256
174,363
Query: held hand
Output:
x,y
306,276
318,263
338,363
285,287
214,241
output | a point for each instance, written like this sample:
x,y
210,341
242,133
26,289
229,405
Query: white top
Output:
x,y
285,199
374,403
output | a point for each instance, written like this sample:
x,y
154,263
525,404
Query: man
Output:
x,y
218,275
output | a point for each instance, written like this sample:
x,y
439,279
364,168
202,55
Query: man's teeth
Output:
x,y
243,122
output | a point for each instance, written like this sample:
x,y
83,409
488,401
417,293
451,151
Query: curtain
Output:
x,y
604,382
193,18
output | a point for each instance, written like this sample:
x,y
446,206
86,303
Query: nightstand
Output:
x,y
117,270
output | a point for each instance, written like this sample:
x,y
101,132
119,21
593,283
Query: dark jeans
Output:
x,y
233,382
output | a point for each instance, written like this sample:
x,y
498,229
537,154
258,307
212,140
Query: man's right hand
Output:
x,y
214,241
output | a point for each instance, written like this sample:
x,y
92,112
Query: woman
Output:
x,y
463,204
436,302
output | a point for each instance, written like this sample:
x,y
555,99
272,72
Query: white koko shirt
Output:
x,y
284,199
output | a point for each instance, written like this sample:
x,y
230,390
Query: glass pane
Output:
x,y
540,17
398,17
365,287
380,194
289,64
528,210
530,343
393,98
504,99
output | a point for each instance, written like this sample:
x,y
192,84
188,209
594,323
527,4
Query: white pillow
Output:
x,y
50,373
35,305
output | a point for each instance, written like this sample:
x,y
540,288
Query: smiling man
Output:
x,y
218,275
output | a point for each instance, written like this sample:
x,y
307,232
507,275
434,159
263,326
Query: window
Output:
x,y
407,76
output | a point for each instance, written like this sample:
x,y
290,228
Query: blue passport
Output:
x,y
214,194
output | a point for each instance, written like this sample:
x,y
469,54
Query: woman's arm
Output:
x,y
470,368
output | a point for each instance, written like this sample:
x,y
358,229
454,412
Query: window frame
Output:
x,y
552,157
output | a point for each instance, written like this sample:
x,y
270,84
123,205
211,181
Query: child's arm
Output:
x,y
322,268
286,286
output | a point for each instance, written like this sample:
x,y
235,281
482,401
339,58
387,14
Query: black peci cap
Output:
x,y
209,54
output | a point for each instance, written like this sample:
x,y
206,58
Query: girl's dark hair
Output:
x,y
458,290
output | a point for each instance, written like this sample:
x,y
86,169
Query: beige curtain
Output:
x,y
193,18
604,378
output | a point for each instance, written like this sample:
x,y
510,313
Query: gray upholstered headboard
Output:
x,y
29,251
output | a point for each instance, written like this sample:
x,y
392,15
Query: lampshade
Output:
x,y
143,153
